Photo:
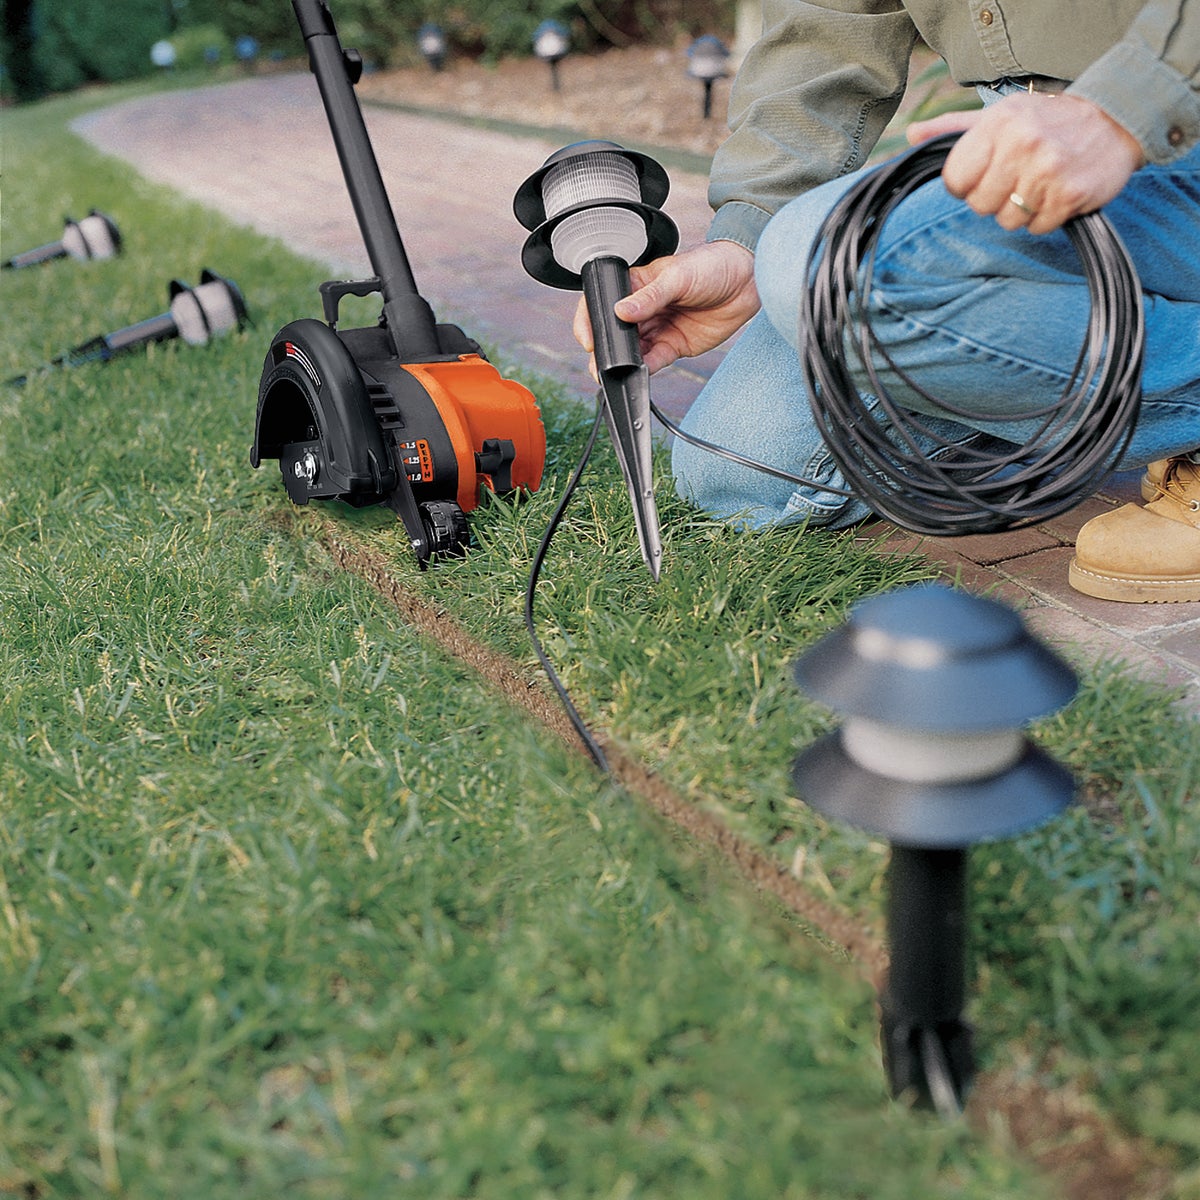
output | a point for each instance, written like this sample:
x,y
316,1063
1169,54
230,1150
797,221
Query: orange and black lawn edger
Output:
x,y
408,412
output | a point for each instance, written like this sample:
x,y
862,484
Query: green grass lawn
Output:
x,y
293,903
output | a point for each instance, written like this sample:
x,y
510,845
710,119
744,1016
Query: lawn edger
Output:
x,y
408,412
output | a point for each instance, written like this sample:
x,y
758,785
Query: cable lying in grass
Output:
x,y
585,735
844,929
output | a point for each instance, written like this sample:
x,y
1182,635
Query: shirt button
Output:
x,y
1175,135
985,17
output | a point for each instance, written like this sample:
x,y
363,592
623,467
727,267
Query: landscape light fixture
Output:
x,y
708,61
197,315
246,50
594,211
162,55
935,686
95,237
552,43
431,41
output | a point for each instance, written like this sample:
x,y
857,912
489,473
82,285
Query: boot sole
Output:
x,y
1132,591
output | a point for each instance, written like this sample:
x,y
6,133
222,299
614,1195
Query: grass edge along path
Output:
x,y
1060,1131
233,961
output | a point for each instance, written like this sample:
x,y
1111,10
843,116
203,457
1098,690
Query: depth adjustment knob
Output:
x,y
307,467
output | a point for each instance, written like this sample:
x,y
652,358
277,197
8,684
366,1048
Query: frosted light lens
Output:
x,y
598,233
917,756
89,238
213,301
600,176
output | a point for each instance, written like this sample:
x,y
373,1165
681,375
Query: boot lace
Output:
x,y
1181,481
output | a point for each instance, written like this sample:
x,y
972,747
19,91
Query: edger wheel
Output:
x,y
445,527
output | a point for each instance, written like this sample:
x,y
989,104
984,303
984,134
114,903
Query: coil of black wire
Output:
x,y
891,457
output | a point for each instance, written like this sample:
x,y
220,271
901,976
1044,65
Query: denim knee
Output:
x,y
783,249
755,404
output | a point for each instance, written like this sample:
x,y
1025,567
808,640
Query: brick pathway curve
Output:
x,y
259,151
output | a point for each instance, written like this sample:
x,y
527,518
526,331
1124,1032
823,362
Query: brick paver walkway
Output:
x,y
259,151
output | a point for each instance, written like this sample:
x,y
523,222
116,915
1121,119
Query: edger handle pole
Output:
x,y
408,316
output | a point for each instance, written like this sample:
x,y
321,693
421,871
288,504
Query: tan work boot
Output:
x,y
1153,478
1145,555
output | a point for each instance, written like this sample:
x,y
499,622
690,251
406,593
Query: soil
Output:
x,y
640,94
637,95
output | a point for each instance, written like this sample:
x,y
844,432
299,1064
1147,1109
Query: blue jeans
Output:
x,y
972,312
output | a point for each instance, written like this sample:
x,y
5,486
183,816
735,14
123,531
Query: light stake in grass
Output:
x,y
431,41
246,51
95,237
162,55
197,315
594,211
935,686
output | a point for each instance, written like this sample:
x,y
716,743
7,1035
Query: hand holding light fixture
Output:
x,y
594,211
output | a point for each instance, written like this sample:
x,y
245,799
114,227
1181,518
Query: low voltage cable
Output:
x,y
890,455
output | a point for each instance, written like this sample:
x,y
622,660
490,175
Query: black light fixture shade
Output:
x,y
649,189
593,211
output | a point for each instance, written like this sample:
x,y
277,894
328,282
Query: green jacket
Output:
x,y
816,91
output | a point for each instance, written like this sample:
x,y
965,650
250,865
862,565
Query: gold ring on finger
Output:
x,y
1019,200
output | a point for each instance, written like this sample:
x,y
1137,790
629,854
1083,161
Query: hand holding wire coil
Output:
x,y
889,454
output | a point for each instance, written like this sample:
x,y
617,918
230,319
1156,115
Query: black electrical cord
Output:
x,y
585,734
741,459
956,487
889,454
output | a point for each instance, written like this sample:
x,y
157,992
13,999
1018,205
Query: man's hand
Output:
x,y
1060,156
684,304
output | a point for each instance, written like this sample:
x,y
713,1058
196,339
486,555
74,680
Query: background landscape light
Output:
x,y
708,61
431,41
551,43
